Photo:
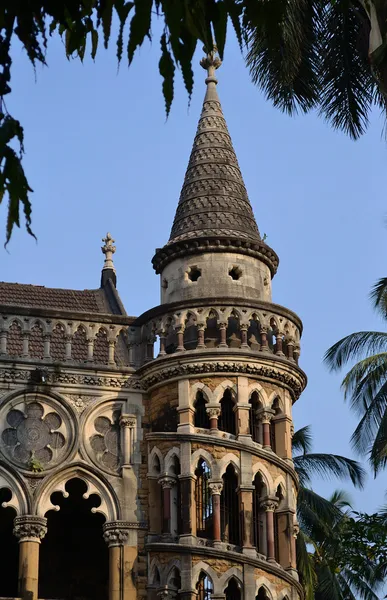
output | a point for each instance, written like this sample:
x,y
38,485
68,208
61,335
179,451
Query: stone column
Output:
x,y
269,505
128,424
216,489
265,415
112,346
167,484
296,353
68,339
187,482
244,327
30,530
26,338
283,438
165,593
223,334
121,559
90,349
246,504
264,342
279,344
3,342
213,414
290,349
242,413
180,338
163,338
47,346
294,535
201,328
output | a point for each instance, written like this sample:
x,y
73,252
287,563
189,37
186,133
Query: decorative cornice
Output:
x,y
293,378
187,247
228,555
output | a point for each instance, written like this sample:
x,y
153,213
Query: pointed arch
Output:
x,y
234,572
264,585
266,476
229,459
201,453
96,484
202,567
169,459
20,500
155,462
199,386
222,387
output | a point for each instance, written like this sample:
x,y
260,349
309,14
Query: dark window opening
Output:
x,y
229,507
204,587
10,555
194,273
203,500
235,273
258,514
262,594
255,405
201,417
227,420
233,591
74,531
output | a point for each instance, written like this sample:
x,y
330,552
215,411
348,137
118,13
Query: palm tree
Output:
x,y
321,519
321,53
365,384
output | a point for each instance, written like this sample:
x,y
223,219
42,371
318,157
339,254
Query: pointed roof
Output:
x,y
214,212
213,199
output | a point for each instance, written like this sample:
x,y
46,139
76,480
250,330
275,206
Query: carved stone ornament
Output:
x,y
128,421
269,504
213,412
167,482
106,442
64,378
29,527
215,487
296,530
166,594
116,533
265,415
35,433
80,402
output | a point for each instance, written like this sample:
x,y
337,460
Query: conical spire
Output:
x,y
213,200
214,213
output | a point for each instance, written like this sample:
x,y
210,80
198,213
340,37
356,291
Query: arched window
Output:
x,y
203,500
174,580
10,555
201,417
255,404
227,420
259,521
229,506
233,590
204,587
176,525
277,411
262,594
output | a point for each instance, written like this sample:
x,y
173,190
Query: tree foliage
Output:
x,y
329,54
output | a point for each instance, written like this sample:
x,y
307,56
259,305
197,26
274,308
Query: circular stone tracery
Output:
x,y
106,443
33,435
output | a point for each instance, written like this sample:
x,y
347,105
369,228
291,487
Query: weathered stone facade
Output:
x,y
133,477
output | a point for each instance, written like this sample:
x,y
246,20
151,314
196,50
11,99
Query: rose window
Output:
x,y
33,437
106,442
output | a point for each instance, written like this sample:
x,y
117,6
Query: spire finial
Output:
x,y
211,62
108,249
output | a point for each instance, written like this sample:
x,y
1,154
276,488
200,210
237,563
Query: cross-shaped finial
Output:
x,y
108,250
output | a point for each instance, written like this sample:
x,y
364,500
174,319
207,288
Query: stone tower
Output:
x,y
218,413
129,477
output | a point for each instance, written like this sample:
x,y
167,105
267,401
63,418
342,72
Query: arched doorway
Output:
x,y
9,544
74,560
229,506
233,590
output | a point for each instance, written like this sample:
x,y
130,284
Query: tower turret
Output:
x,y
214,242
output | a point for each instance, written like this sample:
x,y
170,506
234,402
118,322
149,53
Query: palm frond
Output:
x,y
354,346
317,515
364,380
352,582
326,465
378,296
346,78
368,426
302,440
328,585
341,499
305,566
283,52
378,455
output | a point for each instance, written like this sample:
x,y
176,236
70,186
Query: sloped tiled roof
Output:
x,y
36,296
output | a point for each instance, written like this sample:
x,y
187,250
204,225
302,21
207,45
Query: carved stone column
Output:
x,y
242,413
264,342
265,415
180,338
295,532
246,505
26,339
269,505
213,414
112,346
244,327
167,484
90,349
216,489
3,342
30,530
223,334
201,328
47,346
279,344
68,340
128,424
163,338
121,559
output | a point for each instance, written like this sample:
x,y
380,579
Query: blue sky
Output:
x,y
102,157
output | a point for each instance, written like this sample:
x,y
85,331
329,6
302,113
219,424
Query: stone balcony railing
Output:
x,y
263,327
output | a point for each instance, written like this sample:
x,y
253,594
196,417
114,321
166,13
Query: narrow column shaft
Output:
x,y
279,344
201,343
266,434
90,349
26,344
68,347
223,334
213,414
264,342
3,342
270,535
216,517
244,343
180,340
115,561
29,530
162,345
47,346
112,345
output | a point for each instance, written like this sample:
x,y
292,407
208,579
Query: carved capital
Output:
x,y
115,533
29,527
128,420
166,594
265,415
213,412
296,530
269,504
215,487
167,482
